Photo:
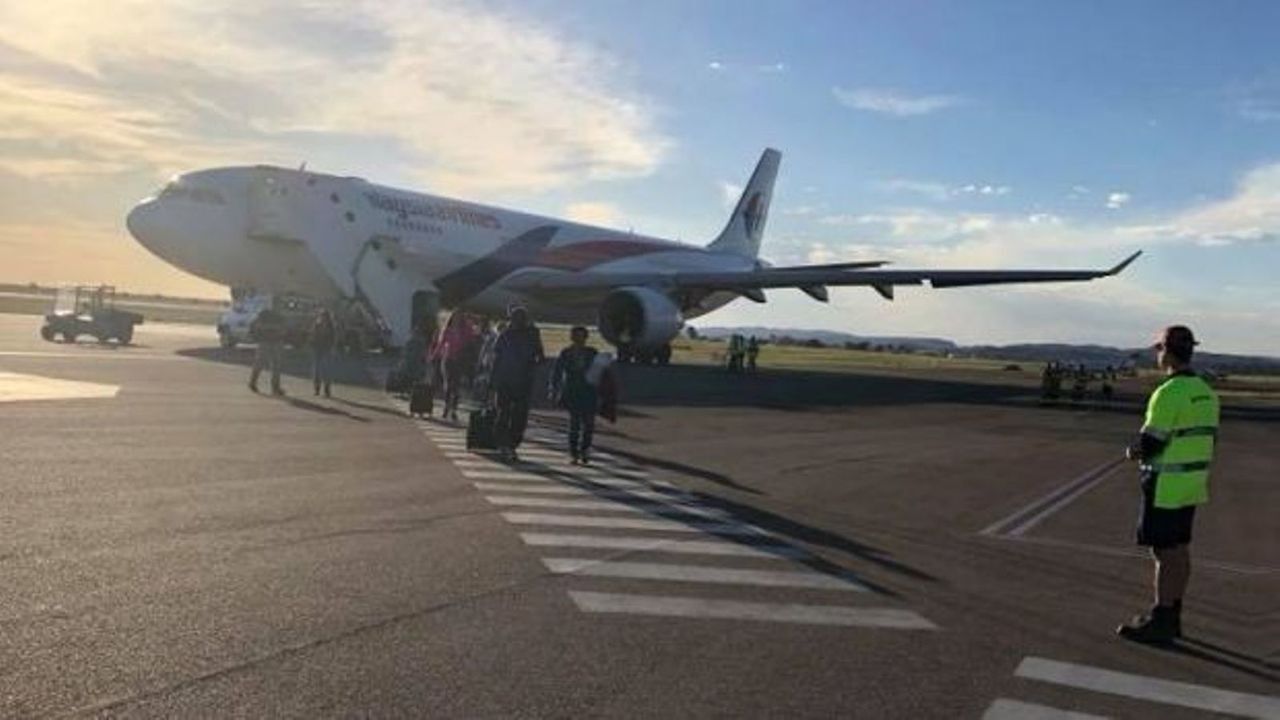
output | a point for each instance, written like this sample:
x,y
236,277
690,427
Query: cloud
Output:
x,y
593,213
1117,200
1251,215
1148,295
893,102
934,190
715,65
94,90
942,191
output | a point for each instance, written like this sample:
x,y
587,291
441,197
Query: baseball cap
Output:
x,y
1176,336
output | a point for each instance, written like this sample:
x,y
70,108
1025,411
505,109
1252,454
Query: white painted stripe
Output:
x,y
479,462
1006,709
15,387
667,606
663,545
507,475
701,574
1070,490
629,523
582,491
1066,500
605,471
639,506
1169,692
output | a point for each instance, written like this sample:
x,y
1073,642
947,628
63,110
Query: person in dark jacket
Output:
x,y
516,355
324,335
267,331
413,359
572,388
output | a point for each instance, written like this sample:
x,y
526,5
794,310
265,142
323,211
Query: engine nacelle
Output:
x,y
637,317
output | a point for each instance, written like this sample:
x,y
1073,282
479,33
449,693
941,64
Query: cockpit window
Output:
x,y
180,189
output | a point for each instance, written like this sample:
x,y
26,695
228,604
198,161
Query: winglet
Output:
x,y
1124,264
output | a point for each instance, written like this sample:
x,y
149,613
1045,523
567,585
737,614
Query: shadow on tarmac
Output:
x,y
778,525
294,364
1218,655
322,409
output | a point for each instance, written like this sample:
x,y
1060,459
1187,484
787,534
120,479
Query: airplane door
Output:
x,y
273,208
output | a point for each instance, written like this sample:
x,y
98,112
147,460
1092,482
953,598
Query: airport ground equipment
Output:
x,y
89,310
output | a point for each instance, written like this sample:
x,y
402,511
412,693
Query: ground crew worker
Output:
x,y
267,330
1174,450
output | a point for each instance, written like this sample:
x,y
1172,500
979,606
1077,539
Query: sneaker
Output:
x,y
584,458
1159,627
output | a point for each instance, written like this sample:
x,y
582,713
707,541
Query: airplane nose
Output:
x,y
142,224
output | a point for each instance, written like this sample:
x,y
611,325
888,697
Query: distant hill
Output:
x,y
1090,355
831,337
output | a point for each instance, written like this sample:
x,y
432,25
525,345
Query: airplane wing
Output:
x,y
752,281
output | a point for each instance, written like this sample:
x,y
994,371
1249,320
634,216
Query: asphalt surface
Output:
x,y
801,545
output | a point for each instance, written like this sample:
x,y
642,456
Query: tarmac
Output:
x,y
881,544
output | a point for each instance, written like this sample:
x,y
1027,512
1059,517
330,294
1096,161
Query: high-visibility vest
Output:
x,y
1183,412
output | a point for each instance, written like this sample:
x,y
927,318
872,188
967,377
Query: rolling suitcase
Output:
x,y
480,430
421,400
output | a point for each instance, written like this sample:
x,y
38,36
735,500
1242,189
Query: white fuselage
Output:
x,y
294,231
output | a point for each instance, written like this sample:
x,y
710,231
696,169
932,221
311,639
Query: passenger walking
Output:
x,y
516,356
267,330
1174,450
455,354
574,387
324,336
481,380
753,352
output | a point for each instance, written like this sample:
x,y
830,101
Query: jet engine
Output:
x,y
639,318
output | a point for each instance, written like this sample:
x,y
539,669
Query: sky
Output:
x,y
929,134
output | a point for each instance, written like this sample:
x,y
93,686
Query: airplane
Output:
x,y
404,254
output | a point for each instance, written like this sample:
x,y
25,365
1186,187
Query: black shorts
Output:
x,y
1161,528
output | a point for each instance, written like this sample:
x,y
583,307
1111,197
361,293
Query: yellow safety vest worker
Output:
x,y
1182,414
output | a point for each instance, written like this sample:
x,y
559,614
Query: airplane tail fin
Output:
x,y
745,229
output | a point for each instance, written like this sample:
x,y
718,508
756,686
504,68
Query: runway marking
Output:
x,y
632,491
506,474
15,387
565,481
663,545
710,574
687,607
640,506
1169,692
1006,709
602,495
1035,512
96,354
627,523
